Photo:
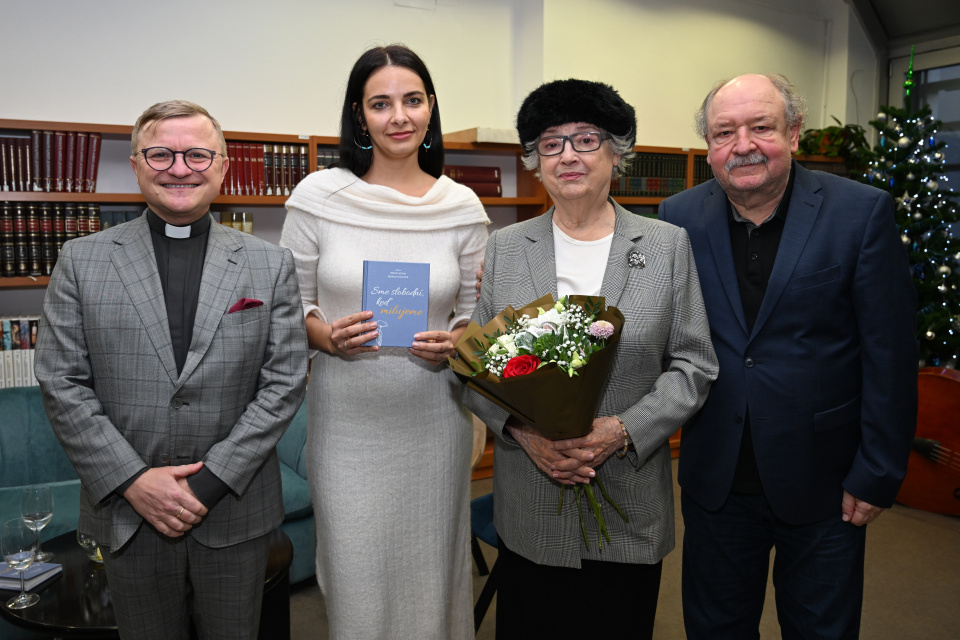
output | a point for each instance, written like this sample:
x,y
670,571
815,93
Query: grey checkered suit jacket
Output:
x,y
105,363
663,368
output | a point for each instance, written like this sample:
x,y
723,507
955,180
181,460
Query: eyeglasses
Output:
x,y
584,141
161,158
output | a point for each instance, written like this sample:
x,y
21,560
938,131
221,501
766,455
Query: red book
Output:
x,y
466,174
485,189
304,162
93,163
285,179
59,162
35,156
258,151
69,159
46,165
4,178
236,169
247,170
80,161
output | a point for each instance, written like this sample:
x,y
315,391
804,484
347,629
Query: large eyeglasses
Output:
x,y
161,158
585,141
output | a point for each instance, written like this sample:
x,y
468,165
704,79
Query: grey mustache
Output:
x,y
741,161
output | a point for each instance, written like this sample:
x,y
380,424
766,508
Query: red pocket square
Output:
x,y
245,303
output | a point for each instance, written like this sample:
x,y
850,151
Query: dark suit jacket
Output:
x,y
106,367
829,371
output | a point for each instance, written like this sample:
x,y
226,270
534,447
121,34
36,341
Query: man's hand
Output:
x,y
163,498
858,512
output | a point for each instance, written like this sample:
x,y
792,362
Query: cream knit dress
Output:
x,y
389,443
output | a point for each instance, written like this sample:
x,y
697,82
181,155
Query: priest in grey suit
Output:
x,y
172,357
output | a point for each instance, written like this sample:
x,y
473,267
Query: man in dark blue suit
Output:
x,y
805,436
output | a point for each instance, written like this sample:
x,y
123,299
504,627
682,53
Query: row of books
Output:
x,y
50,161
239,220
18,340
701,170
327,157
32,233
652,174
485,181
264,169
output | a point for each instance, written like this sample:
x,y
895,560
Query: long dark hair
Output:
x,y
358,160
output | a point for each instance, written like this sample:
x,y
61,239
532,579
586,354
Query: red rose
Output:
x,y
520,366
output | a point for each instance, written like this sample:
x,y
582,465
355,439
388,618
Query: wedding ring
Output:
x,y
180,514
345,344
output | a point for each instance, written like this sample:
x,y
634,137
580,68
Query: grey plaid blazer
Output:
x,y
105,363
663,368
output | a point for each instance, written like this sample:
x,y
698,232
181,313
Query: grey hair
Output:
x,y
622,145
795,109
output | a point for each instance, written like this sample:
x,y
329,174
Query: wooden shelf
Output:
x,y
63,196
24,282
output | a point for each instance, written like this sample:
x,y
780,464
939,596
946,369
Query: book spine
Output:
x,y
48,250
93,218
83,222
465,174
69,221
80,161
267,169
485,189
33,240
59,164
20,239
22,161
7,256
59,228
69,159
48,160
93,163
248,169
304,162
35,159
258,153
4,171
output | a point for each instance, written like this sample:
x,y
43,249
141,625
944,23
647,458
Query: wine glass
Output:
x,y
36,507
20,544
89,546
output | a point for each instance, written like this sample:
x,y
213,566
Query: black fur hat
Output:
x,y
562,101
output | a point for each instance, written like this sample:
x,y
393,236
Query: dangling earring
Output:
x,y
362,135
425,145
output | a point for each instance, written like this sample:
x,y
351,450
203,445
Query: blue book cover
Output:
x,y
398,293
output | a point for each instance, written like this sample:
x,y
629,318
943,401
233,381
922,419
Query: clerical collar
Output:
x,y
160,227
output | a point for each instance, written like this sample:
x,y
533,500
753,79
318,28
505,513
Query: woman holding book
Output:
x,y
577,135
389,442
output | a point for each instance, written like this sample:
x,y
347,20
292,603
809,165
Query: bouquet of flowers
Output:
x,y
546,363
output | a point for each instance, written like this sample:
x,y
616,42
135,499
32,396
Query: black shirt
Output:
x,y
754,252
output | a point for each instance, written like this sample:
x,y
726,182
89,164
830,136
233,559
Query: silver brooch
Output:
x,y
637,259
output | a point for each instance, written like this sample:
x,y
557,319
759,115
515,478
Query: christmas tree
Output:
x,y
908,162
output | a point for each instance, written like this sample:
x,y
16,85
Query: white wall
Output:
x,y
280,66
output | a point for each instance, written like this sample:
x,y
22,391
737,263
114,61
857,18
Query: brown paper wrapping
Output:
x,y
557,405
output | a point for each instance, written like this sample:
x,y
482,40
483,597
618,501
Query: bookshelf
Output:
x,y
524,193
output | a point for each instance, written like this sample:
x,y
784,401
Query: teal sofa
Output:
x,y
31,454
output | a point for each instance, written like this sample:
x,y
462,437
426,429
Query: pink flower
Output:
x,y
601,329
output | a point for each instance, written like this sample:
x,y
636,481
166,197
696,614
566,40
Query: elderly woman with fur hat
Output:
x,y
577,136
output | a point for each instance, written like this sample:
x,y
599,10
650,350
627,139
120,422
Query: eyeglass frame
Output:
x,y
564,139
143,152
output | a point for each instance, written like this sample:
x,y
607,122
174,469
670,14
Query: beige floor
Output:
x,y
912,584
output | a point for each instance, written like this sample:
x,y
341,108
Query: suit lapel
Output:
x,y
136,265
804,207
716,227
218,284
540,257
626,236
